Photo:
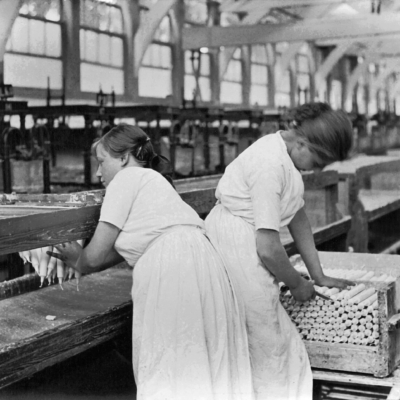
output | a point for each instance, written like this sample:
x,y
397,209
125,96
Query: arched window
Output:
x,y
381,97
361,97
33,50
197,81
197,64
259,76
335,95
157,64
373,103
303,77
101,46
283,87
231,85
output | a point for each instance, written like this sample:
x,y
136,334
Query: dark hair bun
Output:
x,y
307,112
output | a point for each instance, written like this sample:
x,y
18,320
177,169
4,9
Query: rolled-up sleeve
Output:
x,y
265,191
118,201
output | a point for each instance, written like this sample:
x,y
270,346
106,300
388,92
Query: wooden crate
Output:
x,y
380,360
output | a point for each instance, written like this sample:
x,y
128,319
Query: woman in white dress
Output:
x,y
260,192
189,338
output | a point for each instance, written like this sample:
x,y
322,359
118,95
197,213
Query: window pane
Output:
x,y
26,71
282,100
36,37
205,88
53,40
259,54
284,85
103,13
117,52
281,47
190,85
231,92
205,65
166,61
188,62
82,43
302,64
46,9
336,94
20,35
234,71
91,40
154,82
237,54
258,95
195,11
116,22
259,74
163,33
104,49
303,81
148,56
95,76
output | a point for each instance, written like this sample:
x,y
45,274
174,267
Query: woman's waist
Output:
x,y
175,229
246,215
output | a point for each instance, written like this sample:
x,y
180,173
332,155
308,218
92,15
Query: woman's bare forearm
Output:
x,y
301,232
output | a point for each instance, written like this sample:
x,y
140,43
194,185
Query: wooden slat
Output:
x,y
29,342
378,203
321,235
354,27
320,180
354,378
32,231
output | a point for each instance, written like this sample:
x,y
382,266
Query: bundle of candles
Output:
x,y
50,268
349,316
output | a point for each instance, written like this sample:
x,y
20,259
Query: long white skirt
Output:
x,y
280,364
189,337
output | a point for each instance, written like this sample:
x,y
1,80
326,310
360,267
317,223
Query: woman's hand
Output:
x,y
69,253
304,291
330,282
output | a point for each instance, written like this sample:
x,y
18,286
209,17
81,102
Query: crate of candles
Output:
x,y
356,329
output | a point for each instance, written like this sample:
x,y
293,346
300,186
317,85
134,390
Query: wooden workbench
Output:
x,y
369,191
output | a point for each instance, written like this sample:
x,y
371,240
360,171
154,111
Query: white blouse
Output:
x,y
262,185
143,205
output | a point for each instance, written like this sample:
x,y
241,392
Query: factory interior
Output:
x,y
207,81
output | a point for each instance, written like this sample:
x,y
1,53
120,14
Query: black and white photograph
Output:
x,y
200,199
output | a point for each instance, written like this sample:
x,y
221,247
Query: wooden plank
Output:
x,y
216,36
84,319
321,235
204,182
345,357
378,203
319,180
354,378
32,231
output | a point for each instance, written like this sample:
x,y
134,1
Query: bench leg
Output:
x,y
317,390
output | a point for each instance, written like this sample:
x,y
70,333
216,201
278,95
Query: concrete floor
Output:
x,y
99,374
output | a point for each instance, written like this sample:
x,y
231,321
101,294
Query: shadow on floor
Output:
x,y
100,373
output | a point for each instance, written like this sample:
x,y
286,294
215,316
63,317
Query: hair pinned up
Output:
x,y
125,138
328,133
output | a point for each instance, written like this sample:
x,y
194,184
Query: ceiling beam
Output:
x,y
147,28
333,57
8,13
227,54
216,36
248,6
359,70
392,65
